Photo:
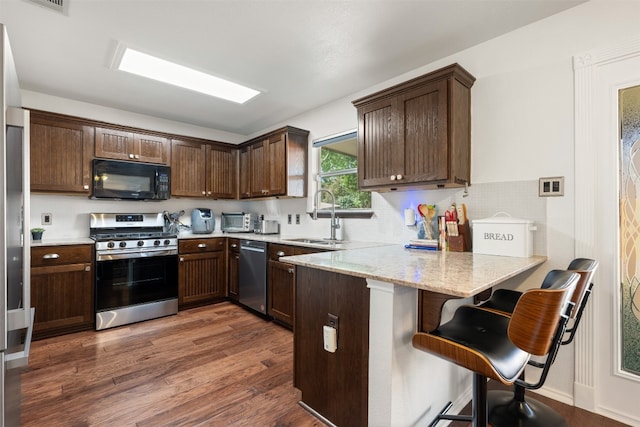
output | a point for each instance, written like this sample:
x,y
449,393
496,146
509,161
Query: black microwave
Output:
x,y
114,179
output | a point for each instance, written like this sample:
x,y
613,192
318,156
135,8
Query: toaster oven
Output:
x,y
239,222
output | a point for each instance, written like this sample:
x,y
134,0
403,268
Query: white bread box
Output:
x,y
503,235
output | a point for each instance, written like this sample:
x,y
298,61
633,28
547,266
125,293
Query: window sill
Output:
x,y
345,213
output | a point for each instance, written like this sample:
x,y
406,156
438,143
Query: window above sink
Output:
x,y
338,171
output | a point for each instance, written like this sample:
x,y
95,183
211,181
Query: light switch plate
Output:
x,y
551,186
46,219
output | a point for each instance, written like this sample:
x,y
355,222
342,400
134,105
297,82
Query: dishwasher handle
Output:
x,y
253,249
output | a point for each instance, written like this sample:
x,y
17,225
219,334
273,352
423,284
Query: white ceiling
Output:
x,y
301,53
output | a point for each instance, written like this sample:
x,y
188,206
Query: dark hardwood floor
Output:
x,y
211,366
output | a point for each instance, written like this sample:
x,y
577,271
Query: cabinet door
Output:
x,y
380,150
63,298
277,165
188,169
281,291
114,144
244,177
233,268
334,384
150,149
201,278
222,172
61,154
425,133
259,169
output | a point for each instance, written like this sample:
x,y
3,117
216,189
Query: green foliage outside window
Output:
x,y
339,174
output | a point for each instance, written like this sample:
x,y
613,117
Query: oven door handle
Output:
x,y
115,256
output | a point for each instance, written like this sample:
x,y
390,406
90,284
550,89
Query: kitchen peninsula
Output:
x,y
376,298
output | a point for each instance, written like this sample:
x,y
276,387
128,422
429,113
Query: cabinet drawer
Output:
x,y
42,256
278,250
201,245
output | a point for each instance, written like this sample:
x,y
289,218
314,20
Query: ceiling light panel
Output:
x,y
142,64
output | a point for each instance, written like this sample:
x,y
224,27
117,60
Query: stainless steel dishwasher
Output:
x,y
253,275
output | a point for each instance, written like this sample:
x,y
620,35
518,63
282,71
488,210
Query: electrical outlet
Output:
x,y
46,219
298,219
551,186
289,219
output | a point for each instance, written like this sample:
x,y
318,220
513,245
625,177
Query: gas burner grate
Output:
x,y
132,236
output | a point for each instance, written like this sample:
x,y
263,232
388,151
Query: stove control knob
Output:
x,y
140,242
167,242
110,245
123,244
156,243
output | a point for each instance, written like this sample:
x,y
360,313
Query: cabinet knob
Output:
x,y
130,156
86,186
137,156
204,193
202,245
208,193
87,268
181,259
233,245
280,253
50,256
399,177
291,270
392,177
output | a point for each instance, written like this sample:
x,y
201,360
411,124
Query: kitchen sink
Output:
x,y
326,242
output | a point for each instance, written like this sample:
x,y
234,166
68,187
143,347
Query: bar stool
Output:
x,y
510,409
496,346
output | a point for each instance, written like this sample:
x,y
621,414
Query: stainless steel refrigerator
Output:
x,y
16,315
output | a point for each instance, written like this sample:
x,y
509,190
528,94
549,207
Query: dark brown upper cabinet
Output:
x,y
417,134
275,164
120,144
61,153
203,170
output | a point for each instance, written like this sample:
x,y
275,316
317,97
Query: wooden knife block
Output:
x,y
461,242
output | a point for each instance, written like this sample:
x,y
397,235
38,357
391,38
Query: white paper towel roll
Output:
x,y
409,217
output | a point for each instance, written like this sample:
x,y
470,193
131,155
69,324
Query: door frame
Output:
x,y
597,79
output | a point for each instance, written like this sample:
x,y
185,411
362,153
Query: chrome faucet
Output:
x,y
335,224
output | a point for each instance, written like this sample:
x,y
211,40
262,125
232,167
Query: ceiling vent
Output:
x,y
57,5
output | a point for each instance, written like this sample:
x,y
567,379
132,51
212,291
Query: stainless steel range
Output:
x,y
136,268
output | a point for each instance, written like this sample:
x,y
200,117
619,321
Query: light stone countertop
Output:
x,y
285,240
462,274
270,238
62,241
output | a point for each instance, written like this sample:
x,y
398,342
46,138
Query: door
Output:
x,y
380,151
222,172
602,382
188,169
425,133
259,177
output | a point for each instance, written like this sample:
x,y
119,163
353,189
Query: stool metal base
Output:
x,y
506,411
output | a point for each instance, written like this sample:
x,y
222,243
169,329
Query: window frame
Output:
x,y
340,212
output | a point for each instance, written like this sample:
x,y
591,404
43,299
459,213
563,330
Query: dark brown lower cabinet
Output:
x,y
201,271
62,289
282,281
333,384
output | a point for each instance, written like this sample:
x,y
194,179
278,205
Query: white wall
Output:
x,y
522,119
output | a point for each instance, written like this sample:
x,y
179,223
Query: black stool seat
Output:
x,y
486,334
503,300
